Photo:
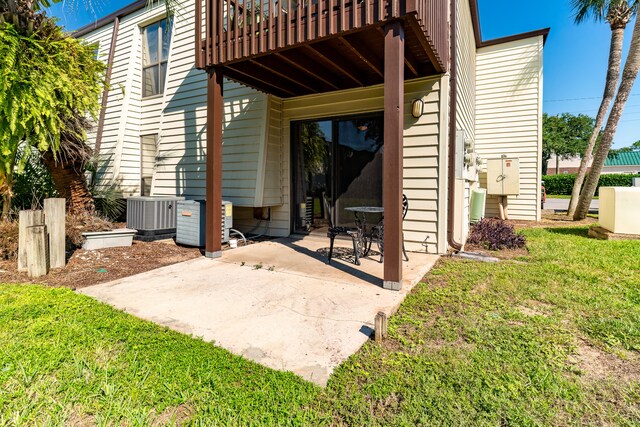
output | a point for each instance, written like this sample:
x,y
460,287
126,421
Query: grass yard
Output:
x,y
552,338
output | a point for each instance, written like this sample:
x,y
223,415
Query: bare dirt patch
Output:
x,y
79,419
503,254
86,268
596,364
527,311
535,308
177,416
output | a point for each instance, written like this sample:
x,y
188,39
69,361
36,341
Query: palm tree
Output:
x,y
65,157
629,75
617,13
67,166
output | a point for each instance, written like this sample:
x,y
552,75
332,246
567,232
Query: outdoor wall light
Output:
x,y
417,108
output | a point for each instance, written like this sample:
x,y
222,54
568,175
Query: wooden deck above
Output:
x,y
293,48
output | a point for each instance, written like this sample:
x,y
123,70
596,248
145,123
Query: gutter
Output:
x,y
107,82
453,112
120,13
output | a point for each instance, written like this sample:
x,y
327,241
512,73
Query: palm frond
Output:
x,y
590,9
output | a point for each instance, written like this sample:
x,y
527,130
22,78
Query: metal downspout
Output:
x,y
107,82
453,111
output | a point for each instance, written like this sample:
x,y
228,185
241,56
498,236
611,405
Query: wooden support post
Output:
x,y
26,219
215,116
504,207
392,160
54,219
381,325
37,256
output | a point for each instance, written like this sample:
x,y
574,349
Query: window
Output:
x,y
148,153
156,39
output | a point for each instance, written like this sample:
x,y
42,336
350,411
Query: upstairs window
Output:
x,y
156,39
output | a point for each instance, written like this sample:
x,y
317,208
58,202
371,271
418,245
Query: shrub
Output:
x,y
494,234
563,184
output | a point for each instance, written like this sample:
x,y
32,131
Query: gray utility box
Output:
x,y
191,222
152,216
636,182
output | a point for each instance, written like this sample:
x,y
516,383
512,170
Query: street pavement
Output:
x,y
563,204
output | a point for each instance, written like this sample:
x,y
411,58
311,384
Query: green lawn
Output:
x,y
553,338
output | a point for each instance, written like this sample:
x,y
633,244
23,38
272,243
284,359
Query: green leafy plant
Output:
x,y
107,196
46,79
32,185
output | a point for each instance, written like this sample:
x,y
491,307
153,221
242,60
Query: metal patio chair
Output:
x,y
334,232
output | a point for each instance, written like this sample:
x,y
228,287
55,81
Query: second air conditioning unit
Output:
x,y
191,224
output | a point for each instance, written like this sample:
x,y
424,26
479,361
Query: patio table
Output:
x,y
367,234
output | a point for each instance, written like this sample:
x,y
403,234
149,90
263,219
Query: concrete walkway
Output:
x,y
277,303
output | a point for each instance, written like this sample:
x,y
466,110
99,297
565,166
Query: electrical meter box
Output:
x,y
503,176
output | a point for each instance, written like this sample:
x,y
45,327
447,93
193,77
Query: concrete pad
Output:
x,y
277,303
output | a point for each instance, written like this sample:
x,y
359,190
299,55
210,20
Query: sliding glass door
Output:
x,y
340,159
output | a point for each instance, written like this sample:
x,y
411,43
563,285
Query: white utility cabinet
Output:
x,y
503,176
620,209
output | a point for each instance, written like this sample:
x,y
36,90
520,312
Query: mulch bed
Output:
x,y
551,220
86,268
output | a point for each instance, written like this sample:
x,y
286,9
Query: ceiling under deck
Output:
x,y
337,62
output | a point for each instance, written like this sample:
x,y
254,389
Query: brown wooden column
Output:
x,y
392,166
215,110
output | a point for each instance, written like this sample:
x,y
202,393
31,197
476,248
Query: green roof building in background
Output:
x,y
631,158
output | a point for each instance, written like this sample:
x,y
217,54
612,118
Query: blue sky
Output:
x,y
575,57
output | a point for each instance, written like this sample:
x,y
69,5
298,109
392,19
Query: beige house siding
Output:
x,y
466,110
509,117
424,152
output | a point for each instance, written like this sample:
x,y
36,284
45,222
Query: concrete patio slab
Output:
x,y
277,303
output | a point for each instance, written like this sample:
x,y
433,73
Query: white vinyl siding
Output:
x,y
178,116
509,117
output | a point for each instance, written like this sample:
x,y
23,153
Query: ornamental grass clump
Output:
x,y
495,235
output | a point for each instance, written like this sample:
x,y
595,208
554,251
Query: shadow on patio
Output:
x,y
307,256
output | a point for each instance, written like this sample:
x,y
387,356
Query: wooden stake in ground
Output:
x,y
37,257
380,324
26,219
54,220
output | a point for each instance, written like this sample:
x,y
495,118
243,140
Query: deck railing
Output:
x,y
235,29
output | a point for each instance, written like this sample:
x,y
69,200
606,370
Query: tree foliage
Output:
x,y
635,147
564,135
46,78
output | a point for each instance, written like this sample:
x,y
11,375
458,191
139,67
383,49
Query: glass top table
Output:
x,y
366,209
368,234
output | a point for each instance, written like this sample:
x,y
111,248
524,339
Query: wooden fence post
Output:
x,y
380,324
37,257
26,219
54,217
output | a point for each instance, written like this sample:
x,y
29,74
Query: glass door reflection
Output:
x,y
340,158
